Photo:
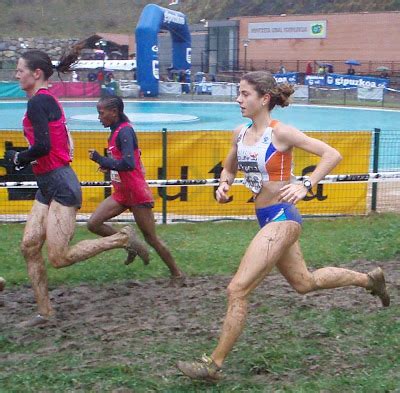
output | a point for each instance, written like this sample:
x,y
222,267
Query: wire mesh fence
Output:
x,y
187,158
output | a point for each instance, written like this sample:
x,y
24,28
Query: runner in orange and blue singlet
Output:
x,y
262,162
263,151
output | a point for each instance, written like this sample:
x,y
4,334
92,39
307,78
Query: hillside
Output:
x,y
77,18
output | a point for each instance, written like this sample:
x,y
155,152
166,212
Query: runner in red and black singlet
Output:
x,y
53,214
130,189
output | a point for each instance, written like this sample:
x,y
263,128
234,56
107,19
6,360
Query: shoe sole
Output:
x,y
380,291
38,320
135,247
208,378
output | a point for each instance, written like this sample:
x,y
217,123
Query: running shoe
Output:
x,y
177,281
377,286
135,247
37,320
204,369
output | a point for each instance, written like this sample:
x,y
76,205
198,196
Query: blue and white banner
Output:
x,y
289,77
337,80
314,80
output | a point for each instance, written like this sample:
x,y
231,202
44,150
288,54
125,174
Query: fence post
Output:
x,y
375,167
164,175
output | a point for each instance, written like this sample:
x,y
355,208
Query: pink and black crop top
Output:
x,y
262,162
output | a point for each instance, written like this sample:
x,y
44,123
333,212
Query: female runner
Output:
x,y
53,214
130,188
263,151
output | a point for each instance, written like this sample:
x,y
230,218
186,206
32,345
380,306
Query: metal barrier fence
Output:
x,y
190,157
216,91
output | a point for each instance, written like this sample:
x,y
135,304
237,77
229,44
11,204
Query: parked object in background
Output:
x,y
384,71
309,69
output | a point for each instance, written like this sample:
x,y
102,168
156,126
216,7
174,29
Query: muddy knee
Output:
x,y
304,286
56,258
235,291
30,247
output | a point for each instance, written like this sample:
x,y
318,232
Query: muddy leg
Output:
x,y
31,248
261,256
294,269
60,229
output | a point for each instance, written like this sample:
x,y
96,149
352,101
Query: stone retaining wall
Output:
x,y
12,48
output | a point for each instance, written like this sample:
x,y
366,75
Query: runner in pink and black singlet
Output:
x,y
44,108
53,214
130,189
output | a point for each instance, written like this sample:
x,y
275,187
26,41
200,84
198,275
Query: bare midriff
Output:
x,y
269,194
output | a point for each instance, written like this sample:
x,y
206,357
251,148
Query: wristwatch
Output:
x,y
307,184
15,160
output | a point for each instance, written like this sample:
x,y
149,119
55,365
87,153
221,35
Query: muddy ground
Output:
x,y
107,320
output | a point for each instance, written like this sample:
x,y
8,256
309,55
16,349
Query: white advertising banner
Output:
x,y
370,93
287,30
170,88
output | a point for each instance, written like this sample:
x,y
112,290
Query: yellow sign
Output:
x,y
200,155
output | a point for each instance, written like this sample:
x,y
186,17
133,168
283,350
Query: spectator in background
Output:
x,y
100,76
351,71
321,70
75,76
109,77
183,76
92,76
309,69
282,69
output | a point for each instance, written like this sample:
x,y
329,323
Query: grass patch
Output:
x,y
216,248
287,346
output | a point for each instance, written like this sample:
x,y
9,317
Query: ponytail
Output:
x,y
70,56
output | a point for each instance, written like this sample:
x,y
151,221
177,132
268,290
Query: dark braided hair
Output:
x,y
114,102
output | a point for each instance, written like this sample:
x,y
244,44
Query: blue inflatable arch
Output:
x,y
153,19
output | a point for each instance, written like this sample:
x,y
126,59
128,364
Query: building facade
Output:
x,y
370,38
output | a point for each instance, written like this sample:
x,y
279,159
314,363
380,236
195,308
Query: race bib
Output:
x,y
114,176
253,181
